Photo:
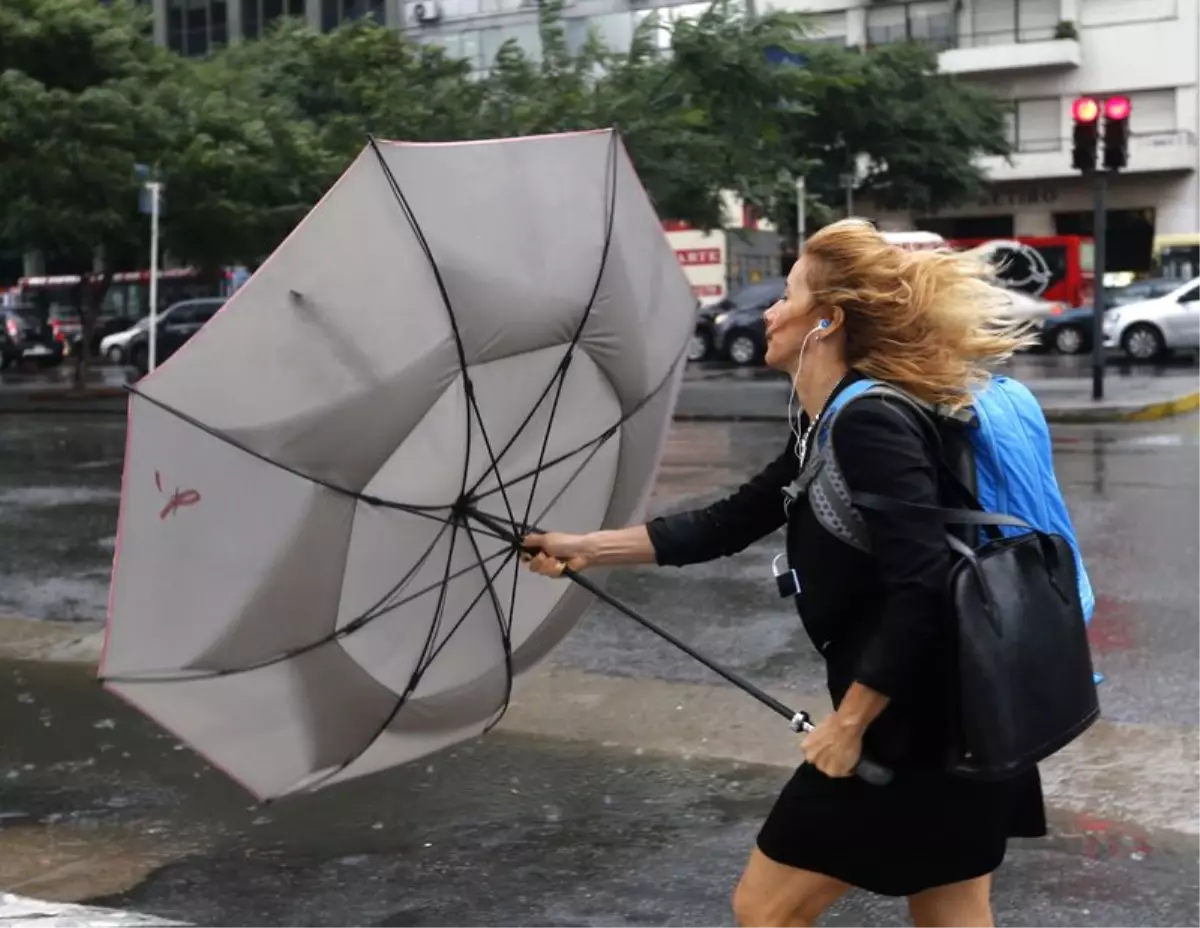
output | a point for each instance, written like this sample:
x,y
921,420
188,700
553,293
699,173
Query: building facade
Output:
x,y
1038,54
1043,54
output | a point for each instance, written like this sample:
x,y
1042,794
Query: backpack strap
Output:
x,y
836,507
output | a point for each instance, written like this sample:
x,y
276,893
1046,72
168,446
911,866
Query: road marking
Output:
x,y
27,912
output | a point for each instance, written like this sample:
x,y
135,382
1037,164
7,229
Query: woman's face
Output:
x,y
790,320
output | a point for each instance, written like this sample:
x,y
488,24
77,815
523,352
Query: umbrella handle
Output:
x,y
867,770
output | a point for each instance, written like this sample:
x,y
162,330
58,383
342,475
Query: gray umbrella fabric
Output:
x,y
316,575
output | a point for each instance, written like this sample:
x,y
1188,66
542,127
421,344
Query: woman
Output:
x,y
928,322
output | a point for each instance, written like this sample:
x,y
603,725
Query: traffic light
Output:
x,y
1116,133
1086,113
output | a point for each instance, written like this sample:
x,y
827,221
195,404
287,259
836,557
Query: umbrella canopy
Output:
x,y
310,584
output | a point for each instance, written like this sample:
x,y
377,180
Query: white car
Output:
x,y
1151,328
112,347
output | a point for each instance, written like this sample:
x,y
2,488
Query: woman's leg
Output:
x,y
770,894
956,905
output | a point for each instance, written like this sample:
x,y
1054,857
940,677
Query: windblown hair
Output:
x,y
931,322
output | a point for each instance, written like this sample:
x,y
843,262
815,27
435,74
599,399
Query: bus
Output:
x,y
1177,256
1056,268
127,299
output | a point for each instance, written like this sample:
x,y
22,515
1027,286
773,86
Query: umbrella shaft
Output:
x,y
740,682
796,718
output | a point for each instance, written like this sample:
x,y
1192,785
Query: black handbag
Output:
x,y
1024,678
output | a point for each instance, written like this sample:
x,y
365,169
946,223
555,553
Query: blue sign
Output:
x,y
144,204
778,55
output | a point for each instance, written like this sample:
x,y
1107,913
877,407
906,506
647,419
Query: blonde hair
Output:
x,y
928,321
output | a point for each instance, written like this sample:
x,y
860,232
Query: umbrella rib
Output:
x,y
603,436
505,625
424,512
356,624
611,178
460,350
415,679
560,373
489,580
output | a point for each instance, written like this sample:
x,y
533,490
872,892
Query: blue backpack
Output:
x,y
1011,471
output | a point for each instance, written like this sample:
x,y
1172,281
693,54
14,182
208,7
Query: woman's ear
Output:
x,y
834,320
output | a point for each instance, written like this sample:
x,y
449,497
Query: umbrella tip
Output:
x,y
296,295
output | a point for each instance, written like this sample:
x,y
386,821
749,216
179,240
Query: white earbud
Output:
x,y
794,422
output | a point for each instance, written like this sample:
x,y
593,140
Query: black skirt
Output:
x,y
925,829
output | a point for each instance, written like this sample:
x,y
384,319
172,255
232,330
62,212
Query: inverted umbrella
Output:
x,y
324,490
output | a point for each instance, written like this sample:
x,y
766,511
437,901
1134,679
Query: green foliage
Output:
x,y
247,139
919,128
78,110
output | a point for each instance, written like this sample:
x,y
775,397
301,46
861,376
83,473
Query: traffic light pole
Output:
x,y
1099,224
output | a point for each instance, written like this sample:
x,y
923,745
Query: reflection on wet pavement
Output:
x,y
59,493
510,830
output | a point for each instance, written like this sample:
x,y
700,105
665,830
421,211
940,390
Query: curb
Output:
x,y
103,401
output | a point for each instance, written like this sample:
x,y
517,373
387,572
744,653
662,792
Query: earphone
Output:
x,y
794,422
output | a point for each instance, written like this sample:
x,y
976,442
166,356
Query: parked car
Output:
x,y
738,332
113,347
1147,330
1071,332
26,335
174,327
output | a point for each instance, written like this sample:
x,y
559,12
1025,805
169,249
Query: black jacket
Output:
x,y
877,618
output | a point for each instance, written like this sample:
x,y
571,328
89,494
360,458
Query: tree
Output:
x,y
921,130
359,80
241,169
77,114
701,120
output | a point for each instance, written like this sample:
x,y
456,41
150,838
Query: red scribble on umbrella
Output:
x,y
179,498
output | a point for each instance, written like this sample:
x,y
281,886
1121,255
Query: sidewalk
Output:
x,y
103,392
1126,399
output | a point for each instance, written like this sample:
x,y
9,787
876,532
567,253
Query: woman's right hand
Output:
x,y
558,550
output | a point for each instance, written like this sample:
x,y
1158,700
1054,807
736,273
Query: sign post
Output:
x,y
801,216
155,190
150,200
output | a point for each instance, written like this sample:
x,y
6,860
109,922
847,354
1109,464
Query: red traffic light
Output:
x,y
1086,109
1117,108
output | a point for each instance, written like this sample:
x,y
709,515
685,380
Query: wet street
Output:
x,y
626,785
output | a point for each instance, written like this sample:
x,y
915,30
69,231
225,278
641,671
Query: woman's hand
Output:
x,y
558,550
834,747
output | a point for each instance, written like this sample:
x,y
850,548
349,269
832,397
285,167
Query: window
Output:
x,y
1005,22
1152,112
1039,124
930,21
1191,296
257,15
194,27
828,27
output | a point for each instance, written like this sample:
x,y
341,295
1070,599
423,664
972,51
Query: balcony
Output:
x,y
1150,152
1010,50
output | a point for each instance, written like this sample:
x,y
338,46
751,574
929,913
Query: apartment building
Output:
x,y
1041,55
1038,54
194,27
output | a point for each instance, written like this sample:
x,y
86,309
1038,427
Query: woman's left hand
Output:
x,y
833,747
